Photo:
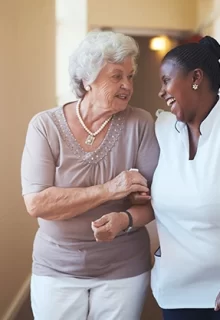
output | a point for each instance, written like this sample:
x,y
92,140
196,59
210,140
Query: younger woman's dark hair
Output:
x,y
204,55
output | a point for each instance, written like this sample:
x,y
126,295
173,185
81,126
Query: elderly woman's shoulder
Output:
x,y
44,118
139,114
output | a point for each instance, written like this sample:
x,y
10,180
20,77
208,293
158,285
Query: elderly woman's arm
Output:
x,y
61,203
64,203
107,228
45,200
110,225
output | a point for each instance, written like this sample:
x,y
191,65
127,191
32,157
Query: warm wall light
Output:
x,y
159,43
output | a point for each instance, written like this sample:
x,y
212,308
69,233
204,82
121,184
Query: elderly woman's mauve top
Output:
x,y
53,157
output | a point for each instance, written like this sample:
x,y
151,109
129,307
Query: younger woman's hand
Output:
x,y
138,198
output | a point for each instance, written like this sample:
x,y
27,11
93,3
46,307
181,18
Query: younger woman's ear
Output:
x,y
197,76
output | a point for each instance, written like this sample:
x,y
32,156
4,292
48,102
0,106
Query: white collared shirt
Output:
x,y
186,201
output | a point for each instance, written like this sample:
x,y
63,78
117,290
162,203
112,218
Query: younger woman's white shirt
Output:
x,y
186,201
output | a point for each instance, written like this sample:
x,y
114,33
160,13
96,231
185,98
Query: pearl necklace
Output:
x,y
92,135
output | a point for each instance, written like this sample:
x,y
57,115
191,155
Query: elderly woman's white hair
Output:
x,y
94,52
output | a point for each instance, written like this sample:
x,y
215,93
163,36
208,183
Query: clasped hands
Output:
x,y
127,183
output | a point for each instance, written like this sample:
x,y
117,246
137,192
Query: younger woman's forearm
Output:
x,y
142,214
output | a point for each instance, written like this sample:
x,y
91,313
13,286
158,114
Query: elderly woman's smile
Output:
x,y
122,96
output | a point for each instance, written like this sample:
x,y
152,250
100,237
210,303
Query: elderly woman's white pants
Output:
x,y
88,299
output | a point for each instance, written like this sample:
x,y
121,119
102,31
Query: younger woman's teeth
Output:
x,y
170,102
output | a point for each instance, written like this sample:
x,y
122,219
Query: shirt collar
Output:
x,y
207,122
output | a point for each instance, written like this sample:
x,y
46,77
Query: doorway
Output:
x,y
147,82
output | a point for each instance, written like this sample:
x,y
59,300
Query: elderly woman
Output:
x,y
76,180
186,184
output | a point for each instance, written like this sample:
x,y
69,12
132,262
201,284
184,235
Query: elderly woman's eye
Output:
x,y
117,76
131,76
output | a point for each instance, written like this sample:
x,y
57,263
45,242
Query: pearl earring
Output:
x,y
195,86
87,88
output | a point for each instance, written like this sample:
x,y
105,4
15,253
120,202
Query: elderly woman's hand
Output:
x,y
108,226
217,302
125,183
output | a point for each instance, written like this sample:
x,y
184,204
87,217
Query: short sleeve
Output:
x,y
165,120
37,165
148,152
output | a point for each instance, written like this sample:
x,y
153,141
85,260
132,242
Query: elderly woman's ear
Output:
x,y
86,86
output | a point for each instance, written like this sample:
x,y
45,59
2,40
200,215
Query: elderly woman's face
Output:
x,y
113,87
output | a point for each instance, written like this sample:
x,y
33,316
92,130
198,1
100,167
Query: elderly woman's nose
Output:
x,y
126,84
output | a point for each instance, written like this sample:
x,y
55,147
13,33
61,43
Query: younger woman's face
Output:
x,y
177,90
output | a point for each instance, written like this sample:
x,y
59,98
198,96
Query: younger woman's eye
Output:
x,y
165,80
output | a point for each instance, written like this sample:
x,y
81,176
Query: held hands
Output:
x,y
217,302
126,183
108,226
138,198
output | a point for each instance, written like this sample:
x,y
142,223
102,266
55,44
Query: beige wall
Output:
x,y
166,14
27,85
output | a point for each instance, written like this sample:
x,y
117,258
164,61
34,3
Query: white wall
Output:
x,y
71,24
208,17
216,24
